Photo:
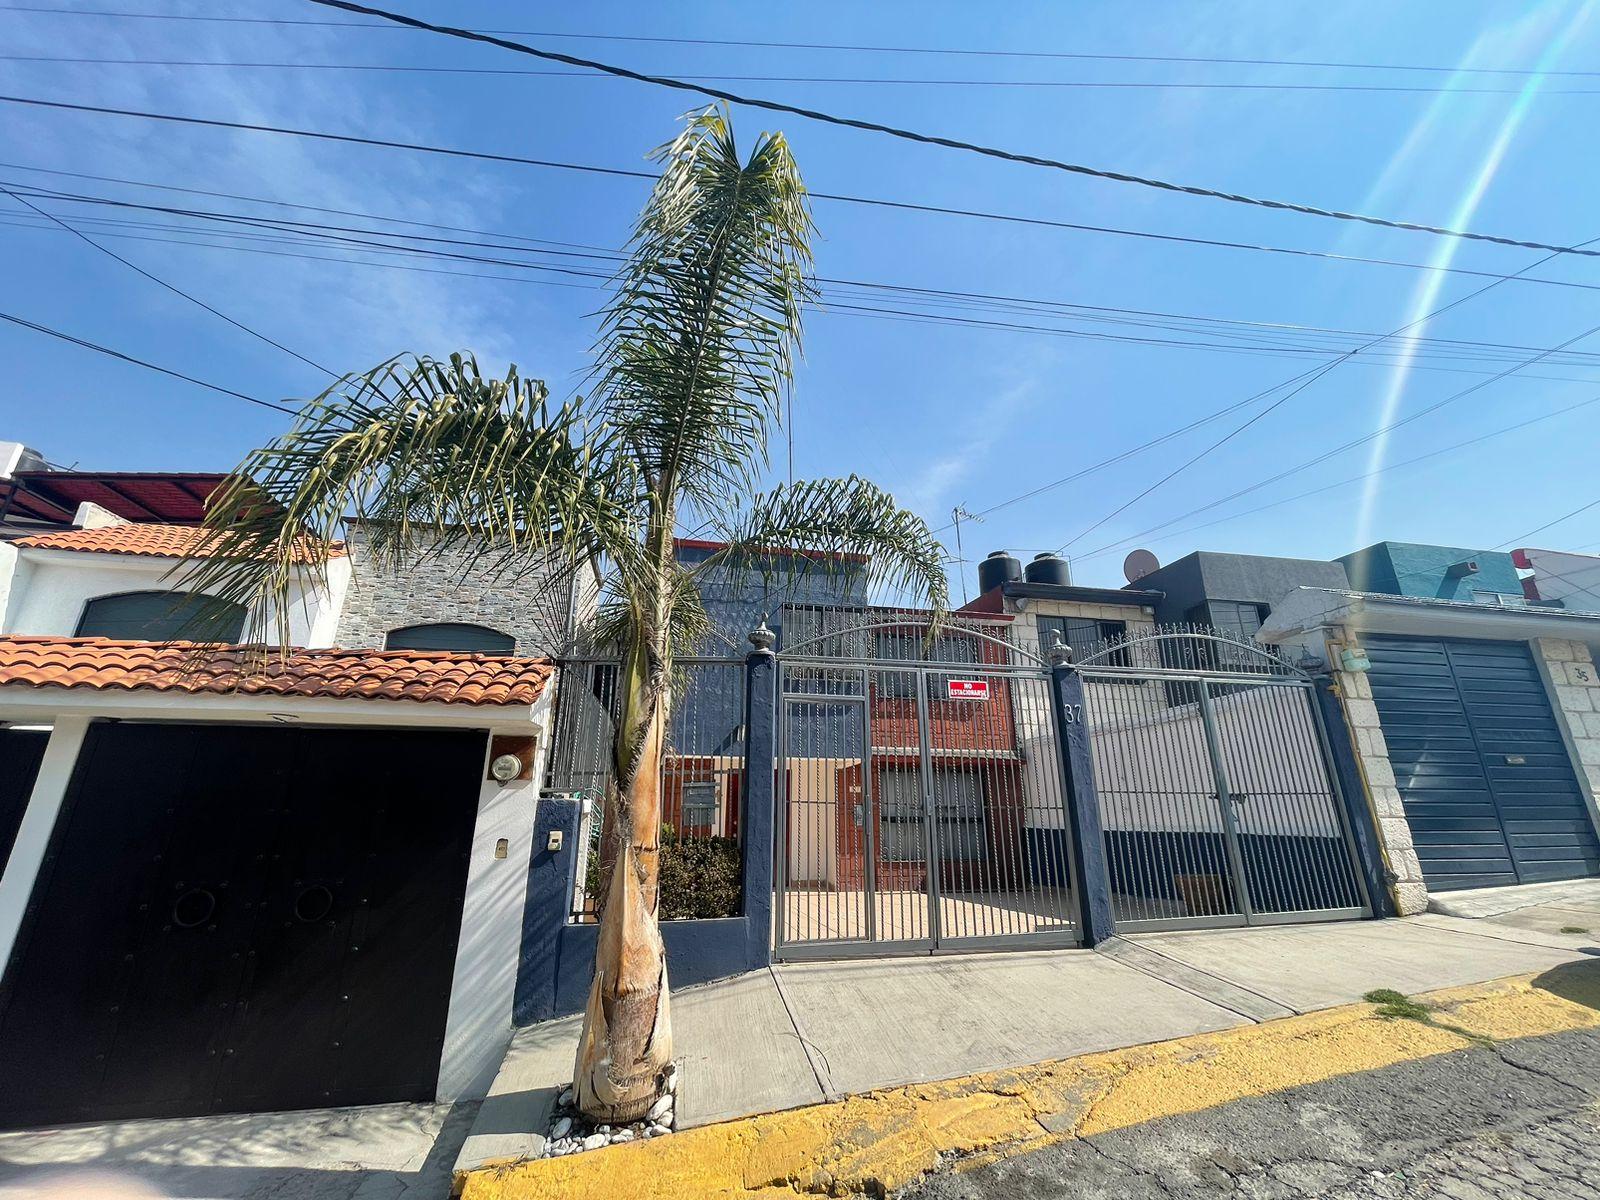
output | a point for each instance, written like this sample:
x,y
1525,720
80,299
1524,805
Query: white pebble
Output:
x,y
622,1135
660,1108
594,1141
566,1098
658,1129
561,1128
672,1084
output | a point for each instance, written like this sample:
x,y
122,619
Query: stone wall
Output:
x,y
1372,756
453,585
1573,682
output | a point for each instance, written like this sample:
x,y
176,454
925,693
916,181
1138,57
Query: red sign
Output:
x,y
968,689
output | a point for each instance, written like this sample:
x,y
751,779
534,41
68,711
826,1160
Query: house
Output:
x,y
1047,607
1475,722
1233,593
1560,577
1435,572
223,863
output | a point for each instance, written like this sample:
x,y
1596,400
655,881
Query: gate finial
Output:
x,y
763,638
1060,653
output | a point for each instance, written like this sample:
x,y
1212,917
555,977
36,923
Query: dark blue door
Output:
x,y
1485,777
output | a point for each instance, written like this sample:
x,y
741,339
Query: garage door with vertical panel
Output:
x,y
238,919
1488,786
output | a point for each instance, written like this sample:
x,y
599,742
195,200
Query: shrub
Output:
x,y
700,877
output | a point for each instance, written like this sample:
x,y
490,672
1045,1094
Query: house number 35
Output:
x,y
1582,673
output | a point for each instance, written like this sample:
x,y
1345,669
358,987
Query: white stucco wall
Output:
x,y
49,588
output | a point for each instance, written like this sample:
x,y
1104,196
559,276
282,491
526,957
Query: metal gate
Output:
x,y
920,795
1216,794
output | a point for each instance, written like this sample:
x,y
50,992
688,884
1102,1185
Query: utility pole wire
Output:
x,y
1565,517
1333,363
867,201
139,362
169,286
812,114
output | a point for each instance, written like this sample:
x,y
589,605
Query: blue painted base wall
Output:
x,y
557,961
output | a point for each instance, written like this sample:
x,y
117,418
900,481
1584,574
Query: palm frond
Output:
x,y
690,627
697,347
433,455
835,524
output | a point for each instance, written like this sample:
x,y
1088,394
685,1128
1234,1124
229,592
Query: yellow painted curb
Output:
x,y
880,1141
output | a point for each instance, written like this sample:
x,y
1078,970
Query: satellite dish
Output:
x,y
1138,564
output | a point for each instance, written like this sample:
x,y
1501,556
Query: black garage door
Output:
x,y
241,919
21,752
1488,786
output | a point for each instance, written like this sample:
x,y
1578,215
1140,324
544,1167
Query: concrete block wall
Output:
x,y
1025,624
1573,683
453,585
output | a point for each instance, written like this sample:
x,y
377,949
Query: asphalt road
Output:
x,y
1516,1120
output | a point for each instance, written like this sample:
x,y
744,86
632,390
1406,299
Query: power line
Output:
x,y
1336,451
171,287
852,80
866,201
937,140
139,362
589,250
1270,339
825,46
1564,517
1365,475
1456,303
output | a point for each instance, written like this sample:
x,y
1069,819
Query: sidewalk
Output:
x,y
798,1034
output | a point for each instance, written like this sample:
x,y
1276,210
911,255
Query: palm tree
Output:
x,y
693,368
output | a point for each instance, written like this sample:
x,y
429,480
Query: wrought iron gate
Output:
x,y
920,795
1216,795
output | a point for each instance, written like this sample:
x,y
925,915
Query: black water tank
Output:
x,y
1048,568
998,568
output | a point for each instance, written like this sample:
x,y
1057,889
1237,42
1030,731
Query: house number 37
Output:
x,y
1074,713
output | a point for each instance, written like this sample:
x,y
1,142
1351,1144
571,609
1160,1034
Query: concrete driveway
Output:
x,y
385,1152
1571,907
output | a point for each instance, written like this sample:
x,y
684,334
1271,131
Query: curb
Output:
x,y
874,1143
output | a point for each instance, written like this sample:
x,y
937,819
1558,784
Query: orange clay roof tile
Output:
x,y
430,676
161,541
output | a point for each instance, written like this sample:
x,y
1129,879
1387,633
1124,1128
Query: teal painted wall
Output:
x,y
1410,569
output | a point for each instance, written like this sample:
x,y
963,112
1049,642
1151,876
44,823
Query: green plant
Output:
x,y
1397,1006
694,361
701,877
1574,929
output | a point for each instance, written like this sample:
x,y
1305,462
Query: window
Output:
x,y
1236,618
162,617
475,639
1084,635
1499,599
900,817
909,648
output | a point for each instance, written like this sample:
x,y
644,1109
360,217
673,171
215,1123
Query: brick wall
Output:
x,y
452,586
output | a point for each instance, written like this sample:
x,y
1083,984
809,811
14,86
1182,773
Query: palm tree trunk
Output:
x,y
627,1030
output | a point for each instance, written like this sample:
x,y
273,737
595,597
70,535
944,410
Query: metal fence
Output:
x,y
1216,795
702,776
921,803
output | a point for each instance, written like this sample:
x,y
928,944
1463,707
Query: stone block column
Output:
x,y
1377,773
1573,684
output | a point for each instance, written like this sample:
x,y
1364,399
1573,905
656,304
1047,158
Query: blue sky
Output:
x,y
941,413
